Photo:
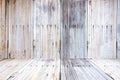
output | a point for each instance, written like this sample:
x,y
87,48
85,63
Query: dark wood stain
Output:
x,y
73,24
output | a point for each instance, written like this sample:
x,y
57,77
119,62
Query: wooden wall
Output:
x,y
47,29
102,28
118,30
74,29
33,28
20,26
3,40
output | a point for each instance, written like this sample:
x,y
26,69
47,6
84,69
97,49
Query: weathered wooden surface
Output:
x,y
109,66
29,69
81,70
102,28
32,24
47,29
14,69
73,34
37,25
118,30
20,26
3,45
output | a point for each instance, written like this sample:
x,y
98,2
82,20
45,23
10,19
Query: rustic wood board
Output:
x,y
74,29
29,69
47,29
42,69
118,30
3,40
77,69
109,66
51,27
102,28
19,23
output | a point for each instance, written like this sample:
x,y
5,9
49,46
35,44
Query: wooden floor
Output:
x,y
29,70
13,69
81,70
110,67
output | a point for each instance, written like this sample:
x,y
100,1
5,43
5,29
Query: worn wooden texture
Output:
x,y
78,69
74,29
38,24
20,26
102,28
118,30
47,29
29,69
109,66
3,40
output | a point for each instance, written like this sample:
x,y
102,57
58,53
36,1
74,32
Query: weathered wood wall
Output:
x,y
47,29
74,29
118,30
3,40
20,26
102,28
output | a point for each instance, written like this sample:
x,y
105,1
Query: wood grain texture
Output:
x,y
118,29
40,69
73,34
102,28
3,40
16,69
109,66
20,28
80,69
47,29
52,28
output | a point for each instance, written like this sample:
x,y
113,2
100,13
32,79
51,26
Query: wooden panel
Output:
x,y
81,70
47,29
109,66
102,28
118,30
74,29
29,69
20,28
3,45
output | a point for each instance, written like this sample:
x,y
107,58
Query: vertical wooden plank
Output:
x,y
89,46
114,29
3,47
4,29
102,36
74,30
48,39
118,29
1,55
20,31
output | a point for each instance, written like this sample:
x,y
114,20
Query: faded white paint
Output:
x,y
3,40
42,24
102,28
118,30
20,28
47,29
